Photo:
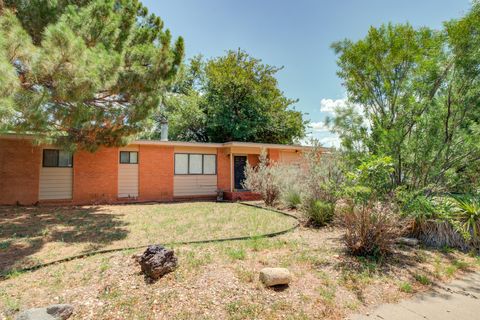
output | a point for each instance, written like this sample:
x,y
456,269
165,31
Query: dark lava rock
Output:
x,y
157,261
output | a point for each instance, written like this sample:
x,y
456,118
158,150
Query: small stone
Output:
x,y
157,261
53,312
275,276
412,242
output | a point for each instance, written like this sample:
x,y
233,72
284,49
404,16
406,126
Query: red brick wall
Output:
x,y
155,176
253,159
223,169
274,155
19,171
95,176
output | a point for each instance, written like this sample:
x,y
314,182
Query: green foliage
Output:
x,y
468,216
414,96
292,198
358,194
375,173
423,279
406,287
243,102
415,204
319,213
83,73
240,98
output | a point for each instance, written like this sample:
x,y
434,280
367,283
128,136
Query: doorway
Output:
x,y
239,163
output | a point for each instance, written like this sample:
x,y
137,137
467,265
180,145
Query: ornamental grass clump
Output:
x,y
319,213
371,228
292,198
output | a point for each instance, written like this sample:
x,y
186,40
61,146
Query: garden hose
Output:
x,y
174,243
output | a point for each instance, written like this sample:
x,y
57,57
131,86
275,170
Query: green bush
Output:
x,y
292,199
375,173
319,212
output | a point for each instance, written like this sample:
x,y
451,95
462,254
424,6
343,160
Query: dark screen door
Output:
x,y
239,163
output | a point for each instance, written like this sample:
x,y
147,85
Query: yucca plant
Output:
x,y
467,215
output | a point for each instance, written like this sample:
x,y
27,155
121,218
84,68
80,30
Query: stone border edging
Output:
x,y
88,254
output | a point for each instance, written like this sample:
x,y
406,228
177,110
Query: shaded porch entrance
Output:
x,y
239,164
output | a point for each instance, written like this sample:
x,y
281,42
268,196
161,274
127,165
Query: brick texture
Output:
x,y
19,171
155,176
274,155
253,160
223,169
241,196
95,176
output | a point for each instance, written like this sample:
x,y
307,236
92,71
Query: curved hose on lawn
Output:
x,y
92,253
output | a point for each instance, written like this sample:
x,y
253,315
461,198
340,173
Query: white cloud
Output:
x,y
319,126
331,141
329,105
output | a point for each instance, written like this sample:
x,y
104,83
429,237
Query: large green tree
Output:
x,y
83,73
418,91
231,98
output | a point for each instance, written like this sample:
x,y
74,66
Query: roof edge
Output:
x,y
190,144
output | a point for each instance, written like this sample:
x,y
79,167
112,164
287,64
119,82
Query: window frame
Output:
x,y
57,151
175,164
129,158
188,164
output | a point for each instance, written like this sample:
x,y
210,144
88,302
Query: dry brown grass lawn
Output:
x,y
220,280
34,235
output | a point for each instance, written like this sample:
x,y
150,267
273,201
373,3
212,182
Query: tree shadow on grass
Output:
x,y
28,233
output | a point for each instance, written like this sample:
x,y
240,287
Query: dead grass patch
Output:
x,y
220,281
34,235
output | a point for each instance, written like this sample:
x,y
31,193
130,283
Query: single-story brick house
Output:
x,y
142,171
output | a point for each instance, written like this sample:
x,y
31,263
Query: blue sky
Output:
x,y
295,34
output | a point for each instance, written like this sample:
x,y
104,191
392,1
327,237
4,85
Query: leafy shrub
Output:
x,y
371,228
265,179
375,173
323,177
292,198
320,184
319,213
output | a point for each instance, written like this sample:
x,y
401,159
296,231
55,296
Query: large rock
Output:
x,y
53,312
157,261
275,276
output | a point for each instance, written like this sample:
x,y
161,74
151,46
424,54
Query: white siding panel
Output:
x,y
127,180
194,185
56,183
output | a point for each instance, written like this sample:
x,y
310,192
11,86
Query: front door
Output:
x,y
239,163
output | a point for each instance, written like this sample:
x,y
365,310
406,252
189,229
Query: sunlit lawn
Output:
x,y
30,235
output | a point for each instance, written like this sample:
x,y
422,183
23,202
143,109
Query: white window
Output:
x,y
195,163
181,163
209,164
